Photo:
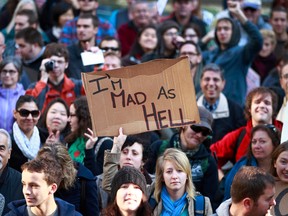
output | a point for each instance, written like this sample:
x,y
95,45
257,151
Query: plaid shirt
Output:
x,y
69,33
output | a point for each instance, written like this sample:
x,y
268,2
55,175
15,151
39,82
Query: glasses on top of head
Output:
x,y
204,131
271,127
25,113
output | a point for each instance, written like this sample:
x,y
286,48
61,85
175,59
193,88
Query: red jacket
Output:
x,y
224,149
45,92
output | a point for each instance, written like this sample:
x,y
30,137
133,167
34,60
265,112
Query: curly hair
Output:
x,y
263,91
51,169
84,119
58,152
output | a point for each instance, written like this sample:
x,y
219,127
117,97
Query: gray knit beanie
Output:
x,y
128,175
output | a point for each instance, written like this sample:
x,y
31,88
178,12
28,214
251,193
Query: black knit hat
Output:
x,y
127,175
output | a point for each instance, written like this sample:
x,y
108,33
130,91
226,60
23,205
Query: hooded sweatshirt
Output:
x,y
19,207
235,60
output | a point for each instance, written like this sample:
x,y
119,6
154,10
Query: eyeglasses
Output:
x,y
10,72
204,131
25,113
189,54
285,76
106,49
171,34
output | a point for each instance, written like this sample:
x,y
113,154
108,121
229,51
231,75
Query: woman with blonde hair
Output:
x,y
174,191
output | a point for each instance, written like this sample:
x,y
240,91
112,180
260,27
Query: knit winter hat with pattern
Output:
x,y
128,175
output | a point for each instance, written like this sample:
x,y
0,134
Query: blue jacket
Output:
x,y
19,208
229,179
83,195
235,60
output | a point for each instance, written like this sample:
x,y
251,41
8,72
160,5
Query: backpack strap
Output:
x,y
238,142
199,205
83,196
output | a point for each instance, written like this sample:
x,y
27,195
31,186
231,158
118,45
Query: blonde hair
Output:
x,y
181,162
19,7
269,34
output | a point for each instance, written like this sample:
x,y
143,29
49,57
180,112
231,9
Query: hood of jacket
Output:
x,y
235,37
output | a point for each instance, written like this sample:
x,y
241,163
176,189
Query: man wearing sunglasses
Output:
x,y
190,140
54,83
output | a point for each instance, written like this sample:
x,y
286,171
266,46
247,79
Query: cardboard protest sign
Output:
x,y
145,97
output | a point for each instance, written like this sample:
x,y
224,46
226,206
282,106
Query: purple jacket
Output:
x,y
8,98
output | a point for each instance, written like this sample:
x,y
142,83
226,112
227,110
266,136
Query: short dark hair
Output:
x,y
30,35
31,15
56,49
110,38
278,9
25,99
264,92
250,182
143,139
197,47
95,20
213,67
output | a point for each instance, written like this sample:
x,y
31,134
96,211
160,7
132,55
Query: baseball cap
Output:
x,y
255,4
206,118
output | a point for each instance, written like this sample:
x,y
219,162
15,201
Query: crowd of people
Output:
x,y
233,162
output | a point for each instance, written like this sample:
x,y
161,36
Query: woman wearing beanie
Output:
x,y
174,191
128,194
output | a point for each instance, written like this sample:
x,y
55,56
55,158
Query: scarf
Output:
x,y
172,208
29,147
77,150
177,144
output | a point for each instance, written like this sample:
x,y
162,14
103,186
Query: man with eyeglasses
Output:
x,y
87,27
10,179
283,112
193,51
54,83
69,31
227,115
190,139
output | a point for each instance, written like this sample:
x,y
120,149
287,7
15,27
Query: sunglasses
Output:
x,y
204,131
25,113
106,49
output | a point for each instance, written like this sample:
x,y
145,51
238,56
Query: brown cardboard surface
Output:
x,y
149,96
